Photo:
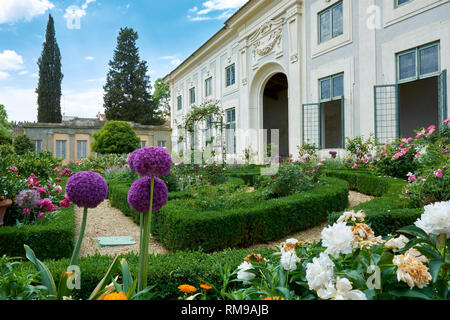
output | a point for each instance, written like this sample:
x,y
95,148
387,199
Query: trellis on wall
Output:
x,y
206,119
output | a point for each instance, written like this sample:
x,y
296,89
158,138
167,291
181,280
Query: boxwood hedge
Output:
x,y
166,271
386,213
179,226
53,240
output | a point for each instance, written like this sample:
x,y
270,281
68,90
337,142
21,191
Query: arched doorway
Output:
x,y
276,112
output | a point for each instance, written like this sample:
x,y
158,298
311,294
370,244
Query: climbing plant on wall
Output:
x,y
196,120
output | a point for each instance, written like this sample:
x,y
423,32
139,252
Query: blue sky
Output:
x,y
86,30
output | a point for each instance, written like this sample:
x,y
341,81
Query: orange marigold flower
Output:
x,y
187,288
274,298
116,296
205,286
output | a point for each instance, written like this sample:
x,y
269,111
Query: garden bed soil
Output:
x,y
106,221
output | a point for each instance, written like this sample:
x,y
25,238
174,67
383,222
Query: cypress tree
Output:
x,y
50,78
128,90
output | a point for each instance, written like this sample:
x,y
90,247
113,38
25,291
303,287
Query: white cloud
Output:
x,y
22,73
227,7
82,103
74,14
17,10
21,104
3,75
10,61
174,61
88,58
103,79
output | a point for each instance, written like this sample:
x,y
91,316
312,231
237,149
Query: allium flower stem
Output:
x,y
145,241
76,250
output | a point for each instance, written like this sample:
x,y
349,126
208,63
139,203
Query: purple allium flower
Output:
x,y
152,161
333,154
87,189
445,152
131,159
139,195
29,199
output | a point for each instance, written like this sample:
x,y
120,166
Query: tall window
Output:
x,y
143,144
230,75
179,102
332,87
81,149
37,146
331,22
418,63
192,95
398,3
230,126
61,149
208,87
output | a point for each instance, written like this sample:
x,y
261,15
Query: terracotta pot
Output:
x,y
4,205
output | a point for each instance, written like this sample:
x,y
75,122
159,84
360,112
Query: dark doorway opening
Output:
x,y
332,124
276,111
419,105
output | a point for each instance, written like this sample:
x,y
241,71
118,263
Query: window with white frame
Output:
x,y
37,146
61,149
192,95
81,149
418,63
331,88
230,126
230,75
179,102
331,23
162,144
208,87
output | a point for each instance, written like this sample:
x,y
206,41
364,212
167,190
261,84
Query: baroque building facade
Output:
x,y
319,71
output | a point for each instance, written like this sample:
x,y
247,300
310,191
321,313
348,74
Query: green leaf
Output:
x,y
410,293
415,231
46,276
435,266
103,283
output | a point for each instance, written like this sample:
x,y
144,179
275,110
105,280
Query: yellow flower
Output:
x,y
205,286
187,288
116,296
274,298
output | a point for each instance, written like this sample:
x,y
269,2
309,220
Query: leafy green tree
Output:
x,y
22,144
128,90
161,96
50,78
5,126
115,137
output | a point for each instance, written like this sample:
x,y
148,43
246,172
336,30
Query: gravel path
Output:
x,y
106,221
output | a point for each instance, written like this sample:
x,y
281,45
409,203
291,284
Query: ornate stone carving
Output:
x,y
294,58
267,38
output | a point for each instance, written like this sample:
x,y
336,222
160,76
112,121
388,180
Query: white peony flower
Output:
x,y
338,239
243,274
396,243
436,219
289,260
320,272
342,291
